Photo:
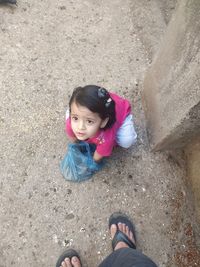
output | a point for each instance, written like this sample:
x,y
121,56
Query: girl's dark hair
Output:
x,y
96,99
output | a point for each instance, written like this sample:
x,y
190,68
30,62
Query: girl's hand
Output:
x,y
97,157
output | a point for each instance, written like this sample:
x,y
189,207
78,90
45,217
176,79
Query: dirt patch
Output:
x,y
188,254
185,251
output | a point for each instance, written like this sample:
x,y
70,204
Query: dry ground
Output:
x,y
46,49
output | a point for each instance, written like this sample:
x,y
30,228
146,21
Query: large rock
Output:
x,y
171,92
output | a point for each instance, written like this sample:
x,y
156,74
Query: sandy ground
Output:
x,y
46,49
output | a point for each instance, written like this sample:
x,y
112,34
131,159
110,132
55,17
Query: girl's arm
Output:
x,y
97,157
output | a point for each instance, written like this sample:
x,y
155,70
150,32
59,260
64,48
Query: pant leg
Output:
x,y
126,135
127,257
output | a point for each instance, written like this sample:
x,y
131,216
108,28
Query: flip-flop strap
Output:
x,y
121,237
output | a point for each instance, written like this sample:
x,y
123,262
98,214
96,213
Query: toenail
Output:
x,y
75,259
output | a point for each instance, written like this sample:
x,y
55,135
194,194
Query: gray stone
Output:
x,y
171,87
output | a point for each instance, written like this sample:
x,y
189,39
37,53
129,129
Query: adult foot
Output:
x,y
73,262
122,231
125,230
69,258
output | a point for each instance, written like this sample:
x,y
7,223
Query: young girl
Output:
x,y
102,118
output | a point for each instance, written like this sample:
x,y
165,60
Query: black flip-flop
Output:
x,y
118,217
67,254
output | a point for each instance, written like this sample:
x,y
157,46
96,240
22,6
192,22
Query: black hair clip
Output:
x,y
102,93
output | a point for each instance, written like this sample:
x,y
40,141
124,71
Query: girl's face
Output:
x,y
85,123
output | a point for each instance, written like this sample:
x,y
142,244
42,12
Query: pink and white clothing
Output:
x,y
123,128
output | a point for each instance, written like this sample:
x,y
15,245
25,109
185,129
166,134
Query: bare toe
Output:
x,y
66,263
113,230
127,231
75,262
